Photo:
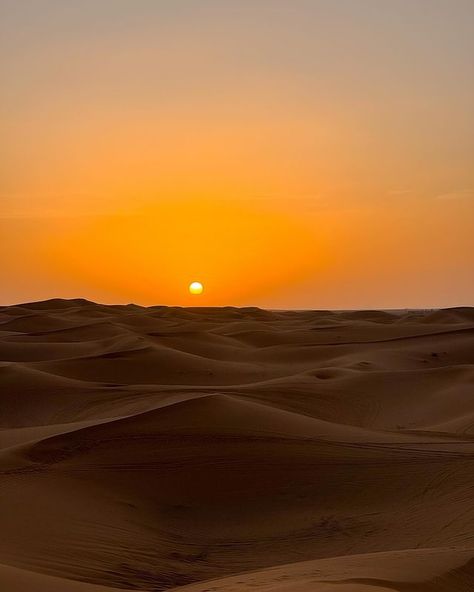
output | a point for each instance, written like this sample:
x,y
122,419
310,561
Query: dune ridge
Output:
x,y
224,449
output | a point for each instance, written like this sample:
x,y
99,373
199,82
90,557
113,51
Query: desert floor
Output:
x,y
227,449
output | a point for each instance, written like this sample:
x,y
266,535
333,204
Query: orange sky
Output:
x,y
306,154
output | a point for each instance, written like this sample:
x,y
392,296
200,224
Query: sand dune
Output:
x,y
233,449
423,570
19,580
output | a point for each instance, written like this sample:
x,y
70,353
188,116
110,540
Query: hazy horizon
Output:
x,y
276,309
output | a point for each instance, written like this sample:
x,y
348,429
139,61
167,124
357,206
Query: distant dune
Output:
x,y
233,449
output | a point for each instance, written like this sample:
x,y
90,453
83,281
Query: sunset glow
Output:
x,y
284,153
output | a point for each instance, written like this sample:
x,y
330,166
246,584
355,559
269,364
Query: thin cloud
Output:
x,y
399,192
454,195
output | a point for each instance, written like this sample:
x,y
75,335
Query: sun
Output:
x,y
196,288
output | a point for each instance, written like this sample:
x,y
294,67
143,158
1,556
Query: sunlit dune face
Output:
x,y
196,288
239,251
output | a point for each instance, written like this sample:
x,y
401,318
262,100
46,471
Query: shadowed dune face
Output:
x,y
157,448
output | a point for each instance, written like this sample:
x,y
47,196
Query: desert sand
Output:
x,y
228,449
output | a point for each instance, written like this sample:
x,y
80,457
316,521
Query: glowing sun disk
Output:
x,y
196,288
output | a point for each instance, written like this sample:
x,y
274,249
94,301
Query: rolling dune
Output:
x,y
231,449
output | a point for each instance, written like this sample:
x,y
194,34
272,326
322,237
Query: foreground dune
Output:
x,y
235,449
421,570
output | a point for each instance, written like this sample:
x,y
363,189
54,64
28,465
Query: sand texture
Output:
x,y
235,449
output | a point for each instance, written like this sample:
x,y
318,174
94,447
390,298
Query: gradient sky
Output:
x,y
307,154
